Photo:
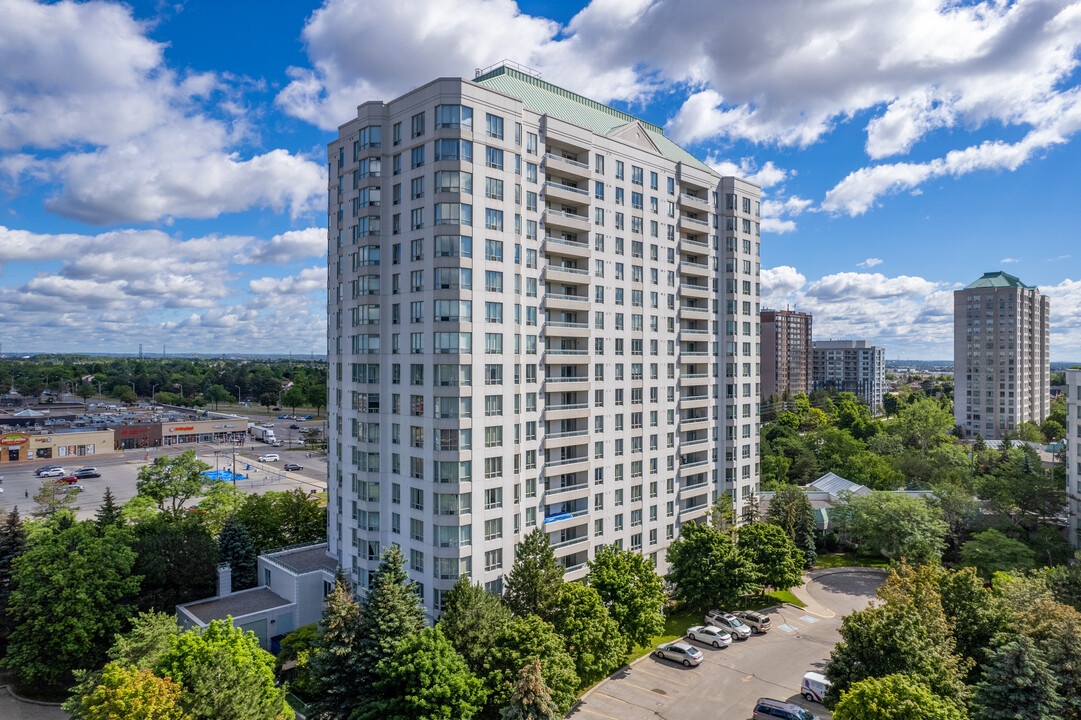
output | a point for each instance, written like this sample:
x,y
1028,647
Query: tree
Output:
x,y
923,424
792,512
127,395
125,692
293,398
1029,432
223,656
777,559
277,519
297,648
593,638
890,404
177,560
424,678
1017,685
531,699
631,590
108,515
235,548
85,391
12,543
473,618
1055,628
335,679
990,551
390,612
975,614
894,526
53,496
894,697
707,568
72,593
522,641
268,400
316,396
221,501
906,633
535,577
217,394
874,471
171,481
979,445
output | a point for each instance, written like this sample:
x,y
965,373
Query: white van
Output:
x,y
814,686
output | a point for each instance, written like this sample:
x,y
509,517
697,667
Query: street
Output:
x,y
730,680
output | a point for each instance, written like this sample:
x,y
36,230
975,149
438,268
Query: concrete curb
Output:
x,y
813,574
28,701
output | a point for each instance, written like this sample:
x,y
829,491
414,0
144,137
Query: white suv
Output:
x,y
729,623
269,457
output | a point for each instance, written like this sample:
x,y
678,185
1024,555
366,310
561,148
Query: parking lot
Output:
x,y
729,680
120,472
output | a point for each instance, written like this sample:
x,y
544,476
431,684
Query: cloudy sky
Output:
x,y
162,164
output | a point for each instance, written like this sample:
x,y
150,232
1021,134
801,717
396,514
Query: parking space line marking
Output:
x,y
640,687
808,618
591,712
788,628
612,697
662,677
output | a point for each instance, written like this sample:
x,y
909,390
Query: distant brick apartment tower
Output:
x,y
854,366
787,353
542,314
1001,355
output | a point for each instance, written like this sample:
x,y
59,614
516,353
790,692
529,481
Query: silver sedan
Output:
x,y
710,635
680,652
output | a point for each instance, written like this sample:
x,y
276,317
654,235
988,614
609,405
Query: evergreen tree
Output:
x,y
531,699
390,613
1017,685
979,445
792,511
335,680
12,540
534,581
235,548
109,512
471,620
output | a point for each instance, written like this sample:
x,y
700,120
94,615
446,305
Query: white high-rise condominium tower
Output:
x,y
1001,355
542,313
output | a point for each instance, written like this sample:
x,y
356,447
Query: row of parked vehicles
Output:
x,y
63,475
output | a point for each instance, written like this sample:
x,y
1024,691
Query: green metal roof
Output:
x,y
548,99
998,279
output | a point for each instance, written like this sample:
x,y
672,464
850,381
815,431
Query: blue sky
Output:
x,y
162,165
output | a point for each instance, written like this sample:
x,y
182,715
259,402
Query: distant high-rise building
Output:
x,y
854,366
1001,355
542,314
787,353
1073,451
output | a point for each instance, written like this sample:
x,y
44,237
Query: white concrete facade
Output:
x,y
1073,452
854,366
531,324
1001,356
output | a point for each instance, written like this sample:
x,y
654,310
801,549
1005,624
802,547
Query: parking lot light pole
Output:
x,y
237,394
152,391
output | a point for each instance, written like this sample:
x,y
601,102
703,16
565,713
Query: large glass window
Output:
x,y
453,116
453,214
454,150
494,126
453,311
453,279
453,245
454,182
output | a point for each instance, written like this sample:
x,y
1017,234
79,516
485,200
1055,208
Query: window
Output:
x,y
494,126
397,133
416,218
416,156
493,343
454,182
493,188
531,143
453,245
493,281
453,150
417,124
493,219
493,158
453,214
493,529
452,116
493,312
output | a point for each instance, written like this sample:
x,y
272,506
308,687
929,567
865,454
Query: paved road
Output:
x,y
729,680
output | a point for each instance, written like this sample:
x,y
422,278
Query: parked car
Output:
x,y
729,623
69,479
680,652
306,417
814,686
767,709
758,622
294,426
283,417
293,466
269,457
276,409
50,471
710,635
86,472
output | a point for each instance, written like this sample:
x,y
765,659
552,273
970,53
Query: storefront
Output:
x,y
14,447
203,431
144,435
59,445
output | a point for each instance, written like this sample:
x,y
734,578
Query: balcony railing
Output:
x,y
572,298
566,489
567,406
560,158
565,461
560,186
565,434
696,221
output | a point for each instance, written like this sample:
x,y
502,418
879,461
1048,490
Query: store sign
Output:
x,y
216,427
179,429
13,440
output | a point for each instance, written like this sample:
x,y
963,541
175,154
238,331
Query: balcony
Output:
x,y
565,166
557,383
557,191
565,411
693,379
564,273
695,441
555,245
694,290
569,465
692,246
694,401
562,517
563,301
693,224
694,203
566,490
691,423
693,331
565,220
696,269
571,542
563,438
694,310
690,468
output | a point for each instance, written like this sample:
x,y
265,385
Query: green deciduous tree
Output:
x,y
990,551
975,614
278,519
522,641
53,496
923,424
593,638
72,592
792,512
132,694
235,548
85,391
293,398
424,679
894,697
874,471
335,678
894,526
472,619
631,590
218,658
297,648
172,481
531,699
1056,630
177,560
316,395
1017,685
707,568
535,578
773,554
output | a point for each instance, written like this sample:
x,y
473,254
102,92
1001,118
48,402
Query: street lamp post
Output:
x,y
153,389
237,394
99,390
134,393
280,397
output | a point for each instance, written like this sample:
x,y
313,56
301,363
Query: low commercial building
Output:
x,y
60,445
180,432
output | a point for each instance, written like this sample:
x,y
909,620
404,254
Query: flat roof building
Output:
x,y
543,313
787,353
854,366
1001,355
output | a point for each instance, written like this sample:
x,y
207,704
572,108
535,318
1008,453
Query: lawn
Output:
x,y
835,560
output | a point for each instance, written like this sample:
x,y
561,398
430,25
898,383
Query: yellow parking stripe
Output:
x,y
662,677
597,713
655,692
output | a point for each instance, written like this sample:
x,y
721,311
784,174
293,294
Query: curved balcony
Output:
x,y
565,411
559,383
562,328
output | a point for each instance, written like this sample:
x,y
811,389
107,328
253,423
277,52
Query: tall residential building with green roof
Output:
x,y
543,314
1001,355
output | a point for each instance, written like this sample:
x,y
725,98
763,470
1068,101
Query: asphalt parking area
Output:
x,y
729,680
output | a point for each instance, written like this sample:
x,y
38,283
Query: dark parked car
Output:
x,y
294,426
293,466
86,472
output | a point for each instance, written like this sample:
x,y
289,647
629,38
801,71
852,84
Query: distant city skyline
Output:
x,y
164,176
